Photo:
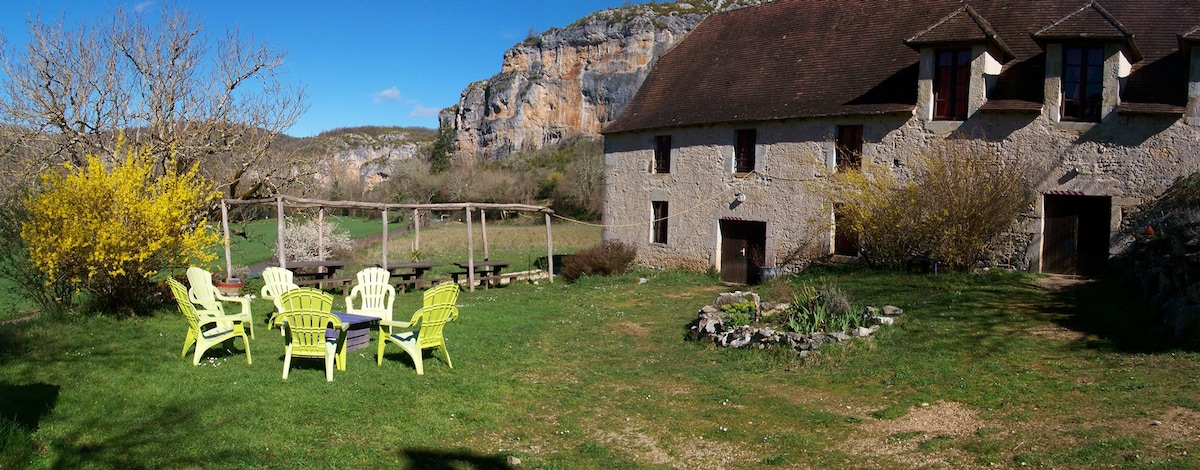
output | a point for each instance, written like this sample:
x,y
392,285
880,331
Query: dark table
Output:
x,y
358,333
307,273
486,272
410,274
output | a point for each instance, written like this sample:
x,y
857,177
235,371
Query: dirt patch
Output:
x,y
1058,333
902,439
696,452
632,329
1058,282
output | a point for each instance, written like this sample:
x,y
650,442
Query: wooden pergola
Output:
x,y
281,202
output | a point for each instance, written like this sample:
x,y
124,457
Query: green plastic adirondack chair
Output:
x,y
374,294
305,316
442,294
207,329
276,281
211,301
423,331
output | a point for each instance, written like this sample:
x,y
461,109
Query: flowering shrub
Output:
x,y
110,231
307,240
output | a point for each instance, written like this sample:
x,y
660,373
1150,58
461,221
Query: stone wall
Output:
x,y
1128,158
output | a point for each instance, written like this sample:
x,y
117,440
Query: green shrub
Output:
x,y
612,257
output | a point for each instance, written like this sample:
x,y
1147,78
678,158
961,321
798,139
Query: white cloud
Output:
x,y
421,111
390,94
143,6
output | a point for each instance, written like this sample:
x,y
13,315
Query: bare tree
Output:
x,y
161,83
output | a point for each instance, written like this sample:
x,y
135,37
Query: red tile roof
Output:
x,y
813,58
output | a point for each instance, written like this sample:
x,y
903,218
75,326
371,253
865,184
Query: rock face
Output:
x,y
359,158
570,81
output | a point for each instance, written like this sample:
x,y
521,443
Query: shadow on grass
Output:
x,y
432,459
1110,310
26,405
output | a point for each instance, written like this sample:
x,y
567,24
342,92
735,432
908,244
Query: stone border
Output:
x,y
709,325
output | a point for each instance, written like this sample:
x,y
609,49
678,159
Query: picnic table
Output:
x,y
307,273
486,272
411,275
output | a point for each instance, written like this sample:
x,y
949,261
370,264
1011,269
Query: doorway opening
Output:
x,y
743,250
1076,235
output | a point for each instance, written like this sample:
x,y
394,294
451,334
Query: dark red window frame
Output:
x,y
1082,83
849,147
951,84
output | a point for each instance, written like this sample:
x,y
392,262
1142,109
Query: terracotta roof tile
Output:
x,y
808,58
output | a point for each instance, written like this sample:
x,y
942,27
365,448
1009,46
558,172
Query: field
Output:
x,y
1001,369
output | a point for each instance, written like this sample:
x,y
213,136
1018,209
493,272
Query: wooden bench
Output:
x,y
344,281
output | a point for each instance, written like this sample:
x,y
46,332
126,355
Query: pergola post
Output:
x,y
385,237
416,245
470,252
549,250
279,233
483,231
225,229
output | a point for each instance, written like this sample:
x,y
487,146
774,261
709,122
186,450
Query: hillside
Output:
x,y
360,157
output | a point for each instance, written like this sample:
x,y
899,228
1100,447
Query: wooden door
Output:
x,y
1061,246
1077,233
742,248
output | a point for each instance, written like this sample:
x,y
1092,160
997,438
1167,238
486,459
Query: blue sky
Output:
x,y
386,63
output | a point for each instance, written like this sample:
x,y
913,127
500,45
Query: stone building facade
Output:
x,y
713,164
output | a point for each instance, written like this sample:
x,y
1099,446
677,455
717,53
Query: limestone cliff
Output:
x,y
570,81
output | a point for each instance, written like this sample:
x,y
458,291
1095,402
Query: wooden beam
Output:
x,y
483,231
279,233
225,229
385,236
549,250
470,253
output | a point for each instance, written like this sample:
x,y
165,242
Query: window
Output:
x,y
662,154
1082,83
849,147
744,152
658,222
951,81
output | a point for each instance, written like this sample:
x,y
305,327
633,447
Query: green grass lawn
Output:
x,y
980,370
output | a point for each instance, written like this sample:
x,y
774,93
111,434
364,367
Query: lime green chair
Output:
x,y
423,331
207,329
442,294
276,281
305,318
373,295
209,300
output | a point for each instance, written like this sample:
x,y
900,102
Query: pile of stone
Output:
x,y
710,325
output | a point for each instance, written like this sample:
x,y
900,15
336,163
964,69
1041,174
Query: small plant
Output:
x,y
739,313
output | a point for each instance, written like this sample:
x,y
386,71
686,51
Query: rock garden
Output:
x,y
815,317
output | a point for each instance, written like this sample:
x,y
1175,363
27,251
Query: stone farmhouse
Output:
x,y
711,164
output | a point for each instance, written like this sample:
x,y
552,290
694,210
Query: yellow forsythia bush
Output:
x,y
112,228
